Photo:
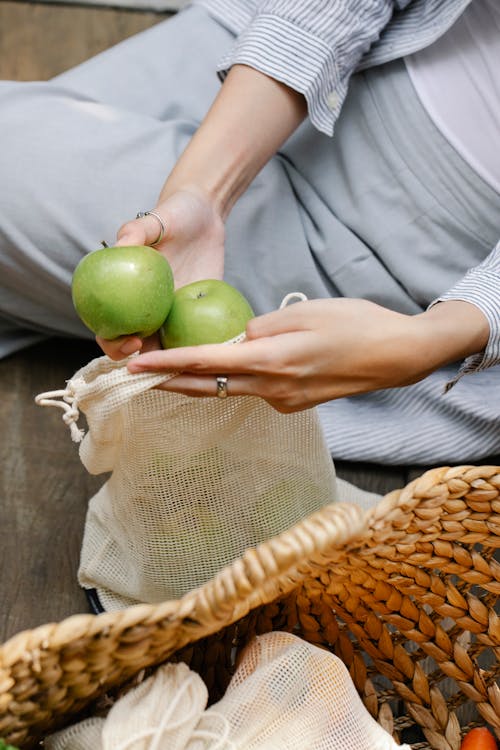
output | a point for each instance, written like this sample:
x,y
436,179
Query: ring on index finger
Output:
x,y
163,228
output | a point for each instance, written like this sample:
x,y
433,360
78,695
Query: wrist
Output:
x,y
451,331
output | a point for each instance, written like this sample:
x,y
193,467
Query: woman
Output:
x,y
373,225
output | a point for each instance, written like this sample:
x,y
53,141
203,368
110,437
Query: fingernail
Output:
x,y
133,368
124,240
130,346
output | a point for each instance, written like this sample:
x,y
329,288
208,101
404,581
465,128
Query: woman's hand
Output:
x,y
312,352
193,244
249,120
298,357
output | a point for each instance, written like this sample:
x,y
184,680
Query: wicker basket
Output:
x,y
406,596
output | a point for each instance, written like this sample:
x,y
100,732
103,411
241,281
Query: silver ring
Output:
x,y
163,228
221,381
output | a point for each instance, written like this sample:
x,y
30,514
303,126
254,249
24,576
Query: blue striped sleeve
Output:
x,y
481,287
313,46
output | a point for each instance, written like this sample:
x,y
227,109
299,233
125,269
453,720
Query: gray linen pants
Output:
x,y
385,210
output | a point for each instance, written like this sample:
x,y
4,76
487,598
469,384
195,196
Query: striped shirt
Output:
x,y
314,46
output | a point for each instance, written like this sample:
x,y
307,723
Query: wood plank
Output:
x,y
44,490
371,477
38,41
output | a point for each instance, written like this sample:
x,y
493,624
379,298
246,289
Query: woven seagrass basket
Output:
x,y
406,595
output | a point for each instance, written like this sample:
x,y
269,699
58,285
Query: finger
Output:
x,y
206,386
239,385
143,231
245,357
257,355
132,233
121,347
151,343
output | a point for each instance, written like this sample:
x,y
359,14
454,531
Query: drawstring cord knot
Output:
x,y
66,400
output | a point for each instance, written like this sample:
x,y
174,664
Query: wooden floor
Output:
x,y
43,487
38,41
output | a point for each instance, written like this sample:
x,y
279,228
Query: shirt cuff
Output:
x,y
312,47
297,58
481,287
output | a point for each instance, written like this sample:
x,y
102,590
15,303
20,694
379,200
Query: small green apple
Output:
x,y
119,291
205,312
284,504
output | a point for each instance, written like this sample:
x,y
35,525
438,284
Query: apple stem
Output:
x,y
104,243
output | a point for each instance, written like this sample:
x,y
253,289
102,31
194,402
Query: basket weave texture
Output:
x,y
406,595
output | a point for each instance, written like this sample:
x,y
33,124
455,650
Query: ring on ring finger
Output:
x,y
221,381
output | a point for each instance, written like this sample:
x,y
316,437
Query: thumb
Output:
x,y
149,229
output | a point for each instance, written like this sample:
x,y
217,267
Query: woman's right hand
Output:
x,y
193,245
193,242
251,117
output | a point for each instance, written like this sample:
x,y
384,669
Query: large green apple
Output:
x,y
120,291
205,312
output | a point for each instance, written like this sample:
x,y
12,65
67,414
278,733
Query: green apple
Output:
x,y
119,291
205,312
284,504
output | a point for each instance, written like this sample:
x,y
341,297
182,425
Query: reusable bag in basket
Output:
x,y
285,693
193,483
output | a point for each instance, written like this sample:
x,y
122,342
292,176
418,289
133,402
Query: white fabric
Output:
x,y
194,482
458,81
286,693
165,707
303,697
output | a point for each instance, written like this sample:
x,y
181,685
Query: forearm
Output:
x,y
252,116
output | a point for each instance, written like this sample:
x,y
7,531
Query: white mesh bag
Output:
x,y
286,693
194,481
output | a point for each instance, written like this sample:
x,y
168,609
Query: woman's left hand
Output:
x,y
308,353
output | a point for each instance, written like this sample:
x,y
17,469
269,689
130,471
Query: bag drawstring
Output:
x,y
68,403
288,298
167,722
292,295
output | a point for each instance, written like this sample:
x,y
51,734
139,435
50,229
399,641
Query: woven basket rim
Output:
x,y
315,550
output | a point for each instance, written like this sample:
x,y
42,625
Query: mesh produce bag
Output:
x,y
193,482
286,693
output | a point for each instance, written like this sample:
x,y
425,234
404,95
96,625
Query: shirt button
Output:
x,y
332,100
